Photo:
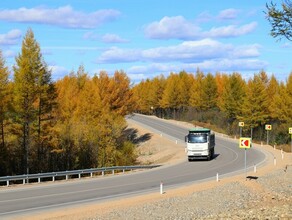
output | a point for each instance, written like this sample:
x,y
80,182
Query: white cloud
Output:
x,y
90,36
216,65
230,65
81,48
228,14
12,37
136,77
207,54
247,51
186,52
118,55
179,28
107,38
58,72
172,27
203,17
63,16
113,38
9,53
231,30
286,45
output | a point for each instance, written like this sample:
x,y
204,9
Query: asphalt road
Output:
x,y
229,161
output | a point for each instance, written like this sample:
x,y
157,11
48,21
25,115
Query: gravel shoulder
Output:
x,y
267,195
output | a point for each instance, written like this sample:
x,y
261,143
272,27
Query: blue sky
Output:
x,y
147,38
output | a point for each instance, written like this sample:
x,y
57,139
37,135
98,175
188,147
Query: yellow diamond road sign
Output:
x,y
244,142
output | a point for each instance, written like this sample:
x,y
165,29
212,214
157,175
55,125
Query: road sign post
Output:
x,y
268,128
246,144
267,137
290,132
241,125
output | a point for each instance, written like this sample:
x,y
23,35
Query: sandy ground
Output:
x,y
160,150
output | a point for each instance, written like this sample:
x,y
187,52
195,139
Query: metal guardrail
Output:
x,y
26,177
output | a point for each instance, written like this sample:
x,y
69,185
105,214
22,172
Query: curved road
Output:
x,y
229,160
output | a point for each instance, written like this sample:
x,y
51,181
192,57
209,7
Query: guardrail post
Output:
x,y
66,177
53,178
23,181
123,170
79,176
91,174
7,182
113,172
102,173
39,180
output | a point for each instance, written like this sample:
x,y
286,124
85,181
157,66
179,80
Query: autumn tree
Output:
x,y
170,99
157,86
116,92
27,73
209,92
91,120
272,92
184,86
4,92
141,92
117,100
196,91
221,81
255,109
232,96
69,125
283,102
148,94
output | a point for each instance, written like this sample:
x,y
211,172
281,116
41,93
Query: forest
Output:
x,y
221,101
74,123
78,121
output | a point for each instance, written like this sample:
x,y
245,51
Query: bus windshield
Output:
x,y
201,138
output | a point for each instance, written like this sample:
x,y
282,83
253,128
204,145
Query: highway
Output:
x,y
229,160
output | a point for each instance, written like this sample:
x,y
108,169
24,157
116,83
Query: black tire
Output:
x,y
213,153
210,155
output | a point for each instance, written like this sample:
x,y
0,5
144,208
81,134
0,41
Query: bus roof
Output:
x,y
199,130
